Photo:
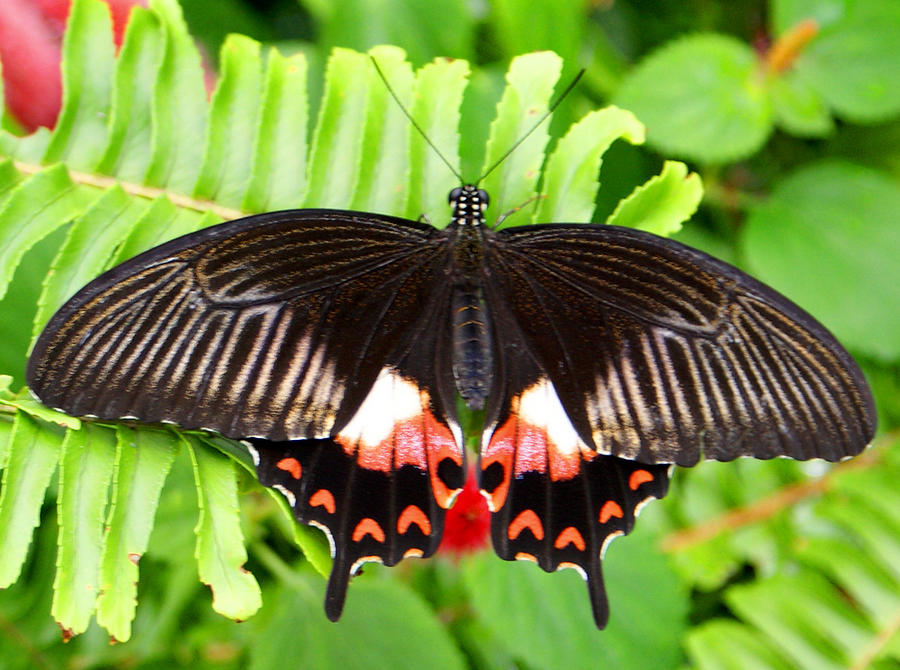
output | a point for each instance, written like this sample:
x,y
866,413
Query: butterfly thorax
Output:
x,y
472,359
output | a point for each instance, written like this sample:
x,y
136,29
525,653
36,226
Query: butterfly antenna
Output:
x,y
413,121
524,137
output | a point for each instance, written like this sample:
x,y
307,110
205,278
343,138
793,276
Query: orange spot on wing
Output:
x,y
637,478
368,526
526,519
291,466
440,444
610,509
524,556
322,498
569,536
413,515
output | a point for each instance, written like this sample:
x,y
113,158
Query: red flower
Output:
x,y
30,41
467,524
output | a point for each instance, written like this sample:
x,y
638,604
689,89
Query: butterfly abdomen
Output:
x,y
471,347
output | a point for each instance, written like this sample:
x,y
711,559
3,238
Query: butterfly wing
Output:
x,y
312,332
619,353
662,354
273,326
554,500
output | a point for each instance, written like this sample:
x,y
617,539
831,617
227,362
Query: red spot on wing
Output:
x,y
569,536
639,477
526,519
610,509
322,498
520,446
422,441
368,526
413,515
291,466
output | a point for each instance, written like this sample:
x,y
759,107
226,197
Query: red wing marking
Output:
x,y
413,515
291,466
526,519
569,536
368,526
637,478
525,556
537,436
610,509
395,426
322,498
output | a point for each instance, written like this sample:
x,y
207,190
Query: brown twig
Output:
x,y
788,47
102,181
766,508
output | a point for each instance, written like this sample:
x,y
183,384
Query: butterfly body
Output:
x,y
334,343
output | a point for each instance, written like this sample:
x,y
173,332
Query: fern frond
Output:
x,y
826,553
149,158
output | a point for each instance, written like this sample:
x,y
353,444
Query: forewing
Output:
x,y
660,353
273,326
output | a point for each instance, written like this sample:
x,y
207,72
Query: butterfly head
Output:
x,y
469,203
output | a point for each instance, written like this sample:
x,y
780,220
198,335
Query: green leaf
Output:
x,y
532,611
854,63
336,150
91,242
827,238
383,176
233,124
37,207
571,175
798,108
540,24
278,174
31,406
31,462
661,204
80,134
426,28
383,626
6,432
84,475
179,115
162,221
437,96
128,152
143,460
702,97
805,617
530,82
220,544
727,645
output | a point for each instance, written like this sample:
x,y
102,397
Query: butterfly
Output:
x,y
334,343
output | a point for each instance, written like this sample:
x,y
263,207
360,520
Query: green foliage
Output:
x,y
140,155
711,98
253,150
834,221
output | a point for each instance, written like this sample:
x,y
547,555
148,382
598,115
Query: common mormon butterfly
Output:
x,y
334,344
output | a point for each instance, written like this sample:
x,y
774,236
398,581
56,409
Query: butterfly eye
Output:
x,y
484,198
454,195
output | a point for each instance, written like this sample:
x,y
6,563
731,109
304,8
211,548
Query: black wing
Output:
x,y
554,500
322,334
272,326
660,353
